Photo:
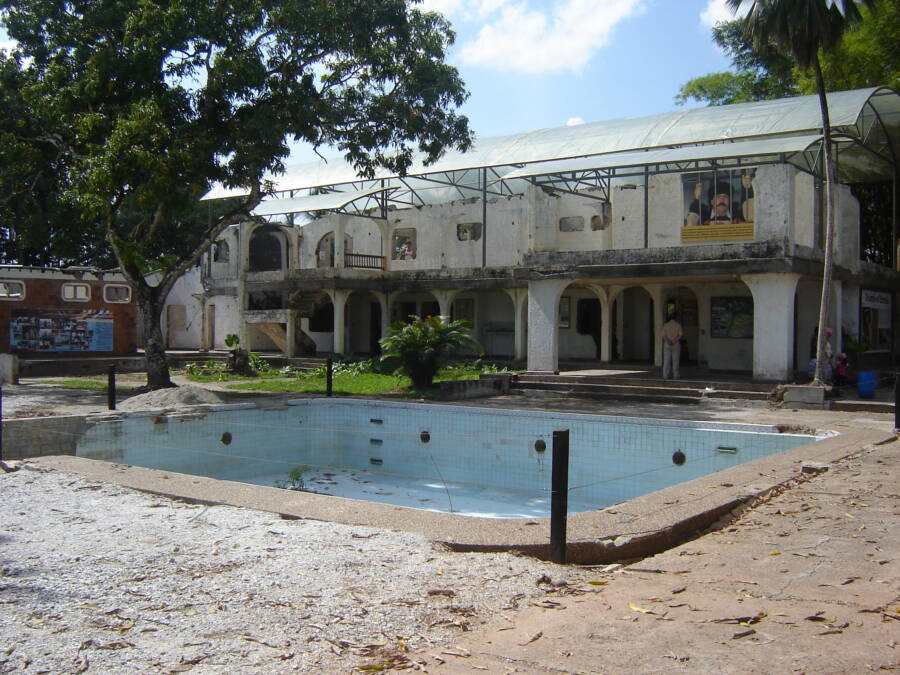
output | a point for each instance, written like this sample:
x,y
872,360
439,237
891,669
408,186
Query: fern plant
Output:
x,y
424,345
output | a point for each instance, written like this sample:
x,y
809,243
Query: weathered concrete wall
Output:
x,y
846,239
722,353
627,216
187,310
666,210
774,200
573,345
226,318
40,436
804,211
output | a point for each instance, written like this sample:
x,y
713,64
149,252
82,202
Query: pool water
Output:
x,y
475,461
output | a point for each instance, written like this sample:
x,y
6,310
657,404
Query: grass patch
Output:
x,y
88,385
367,384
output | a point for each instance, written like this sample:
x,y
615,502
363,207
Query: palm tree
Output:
x,y
800,28
424,345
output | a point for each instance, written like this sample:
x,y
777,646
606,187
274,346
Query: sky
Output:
x,y
530,64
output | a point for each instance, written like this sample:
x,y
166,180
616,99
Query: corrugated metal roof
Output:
x,y
713,124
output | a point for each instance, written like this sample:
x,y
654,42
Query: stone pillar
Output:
x,y
659,311
609,323
773,324
445,302
339,230
339,300
9,369
290,331
543,317
836,315
519,297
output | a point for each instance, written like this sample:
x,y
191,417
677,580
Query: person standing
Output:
x,y
671,334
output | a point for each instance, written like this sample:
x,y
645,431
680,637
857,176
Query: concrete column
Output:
x,y
543,317
339,300
703,338
773,324
445,302
290,331
385,313
659,310
339,229
836,315
519,297
609,322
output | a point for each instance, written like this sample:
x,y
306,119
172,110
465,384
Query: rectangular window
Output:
x,y
74,292
719,197
404,244
117,293
468,231
12,290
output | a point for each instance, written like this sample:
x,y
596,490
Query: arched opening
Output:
x,y
579,324
325,249
267,249
681,302
634,336
418,303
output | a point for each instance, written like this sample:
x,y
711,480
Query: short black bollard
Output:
x,y
329,376
111,388
1,424
559,496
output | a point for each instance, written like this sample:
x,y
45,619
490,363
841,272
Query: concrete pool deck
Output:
x,y
633,529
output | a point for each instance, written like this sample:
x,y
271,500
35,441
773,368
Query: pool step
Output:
x,y
634,389
642,394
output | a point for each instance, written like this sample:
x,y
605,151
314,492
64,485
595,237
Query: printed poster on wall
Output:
x,y
61,330
731,317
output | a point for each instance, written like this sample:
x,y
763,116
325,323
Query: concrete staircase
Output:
x,y
645,390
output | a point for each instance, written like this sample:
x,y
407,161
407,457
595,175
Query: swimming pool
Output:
x,y
469,460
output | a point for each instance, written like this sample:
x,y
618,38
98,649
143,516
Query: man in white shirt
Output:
x,y
671,334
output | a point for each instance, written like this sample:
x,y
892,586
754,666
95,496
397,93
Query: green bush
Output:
x,y
424,345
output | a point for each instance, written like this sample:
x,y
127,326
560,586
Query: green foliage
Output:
x,y
757,75
423,345
295,480
232,341
867,56
118,116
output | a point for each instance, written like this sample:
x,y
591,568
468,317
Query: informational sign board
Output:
x,y
731,317
61,330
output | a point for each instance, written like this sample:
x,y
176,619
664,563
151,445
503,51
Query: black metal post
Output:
x,y
559,496
897,402
1,424
111,388
329,376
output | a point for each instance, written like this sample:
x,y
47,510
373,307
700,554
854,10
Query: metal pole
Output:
x,y
111,388
1,424
329,376
896,402
559,496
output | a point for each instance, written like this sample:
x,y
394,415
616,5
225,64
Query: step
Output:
x,y
609,388
863,406
623,397
761,387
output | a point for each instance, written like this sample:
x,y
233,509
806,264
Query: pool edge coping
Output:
x,y
636,528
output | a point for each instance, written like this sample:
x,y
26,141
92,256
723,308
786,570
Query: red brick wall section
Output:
x,y
47,294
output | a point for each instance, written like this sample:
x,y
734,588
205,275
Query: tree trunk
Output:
x,y
150,309
828,267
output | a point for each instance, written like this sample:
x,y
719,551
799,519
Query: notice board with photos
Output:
x,y
731,317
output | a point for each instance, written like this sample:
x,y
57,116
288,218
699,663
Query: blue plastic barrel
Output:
x,y
866,381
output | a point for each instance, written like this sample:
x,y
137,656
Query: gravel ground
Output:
x,y
99,578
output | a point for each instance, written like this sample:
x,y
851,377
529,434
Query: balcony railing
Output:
x,y
363,261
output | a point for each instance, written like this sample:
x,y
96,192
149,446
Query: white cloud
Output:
x,y
7,45
517,37
574,121
445,7
717,10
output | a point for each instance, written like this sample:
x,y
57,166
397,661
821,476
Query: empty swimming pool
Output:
x,y
474,461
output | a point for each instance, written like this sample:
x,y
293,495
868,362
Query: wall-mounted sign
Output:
x,y
731,317
61,330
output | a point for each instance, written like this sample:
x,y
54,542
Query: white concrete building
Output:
x,y
575,243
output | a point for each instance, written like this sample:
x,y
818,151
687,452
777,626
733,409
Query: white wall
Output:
x,y
182,294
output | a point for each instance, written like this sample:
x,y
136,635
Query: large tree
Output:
x,y
137,106
867,56
800,29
